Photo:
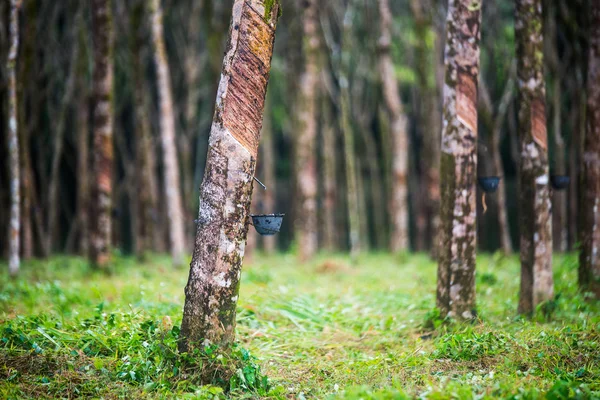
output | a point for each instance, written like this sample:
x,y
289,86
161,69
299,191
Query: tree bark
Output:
x,y
146,195
83,185
305,145
328,155
429,125
495,121
348,134
103,153
25,75
399,240
458,170
167,134
14,261
534,203
589,257
226,191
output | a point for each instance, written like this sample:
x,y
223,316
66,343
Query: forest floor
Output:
x,y
328,329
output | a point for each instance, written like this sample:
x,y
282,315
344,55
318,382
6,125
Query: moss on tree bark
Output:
x,y
458,169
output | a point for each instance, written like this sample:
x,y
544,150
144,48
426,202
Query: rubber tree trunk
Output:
x,y
146,196
83,183
589,258
328,155
14,260
25,125
429,125
167,135
399,240
103,121
534,194
225,194
305,224
458,170
348,134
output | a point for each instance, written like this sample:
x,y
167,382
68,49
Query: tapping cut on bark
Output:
x,y
14,260
589,257
213,284
458,170
534,192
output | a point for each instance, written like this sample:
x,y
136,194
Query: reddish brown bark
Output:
x,y
225,194
589,258
100,233
456,269
534,203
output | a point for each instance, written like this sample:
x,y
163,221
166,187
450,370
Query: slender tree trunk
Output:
x,y
305,146
146,193
399,240
329,184
103,153
456,270
187,141
429,124
225,195
268,166
495,122
167,134
83,185
560,234
535,209
25,76
13,142
589,257
348,134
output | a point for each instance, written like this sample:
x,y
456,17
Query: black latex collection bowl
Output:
x,y
489,184
560,182
267,224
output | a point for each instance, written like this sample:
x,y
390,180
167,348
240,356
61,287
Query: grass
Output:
x,y
328,329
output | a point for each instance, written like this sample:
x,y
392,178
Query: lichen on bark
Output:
x,y
456,269
225,193
534,192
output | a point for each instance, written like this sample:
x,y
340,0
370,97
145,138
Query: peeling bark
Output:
x,y
103,153
589,257
167,134
305,228
458,170
399,240
534,194
14,260
225,195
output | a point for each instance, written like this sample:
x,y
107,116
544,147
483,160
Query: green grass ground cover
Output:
x,y
327,329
